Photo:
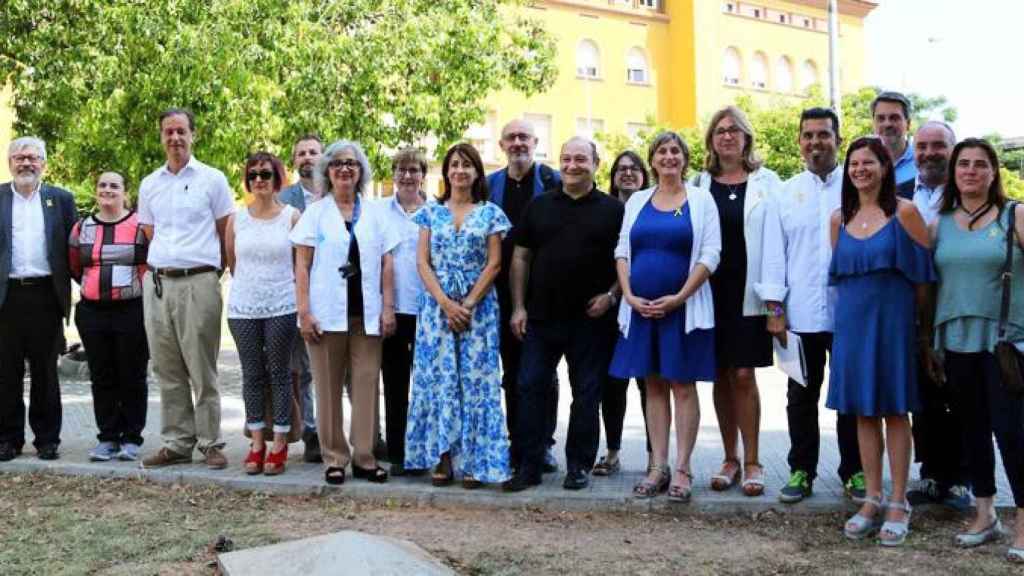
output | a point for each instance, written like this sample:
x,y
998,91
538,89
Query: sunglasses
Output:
x,y
265,175
346,163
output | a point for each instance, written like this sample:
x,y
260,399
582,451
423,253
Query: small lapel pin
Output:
x,y
49,202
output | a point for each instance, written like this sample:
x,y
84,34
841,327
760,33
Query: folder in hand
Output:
x,y
790,358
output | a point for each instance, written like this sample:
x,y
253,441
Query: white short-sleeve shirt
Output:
x,y
183,209
408,285
322,228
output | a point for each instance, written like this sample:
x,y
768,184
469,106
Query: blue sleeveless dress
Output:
x,y
874,364
660,247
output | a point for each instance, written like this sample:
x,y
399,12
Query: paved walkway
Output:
x,y
79,435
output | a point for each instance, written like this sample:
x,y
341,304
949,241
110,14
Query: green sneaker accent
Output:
x,y
856,487
798,487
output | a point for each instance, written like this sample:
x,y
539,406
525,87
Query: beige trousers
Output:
x,y
183,328
329,359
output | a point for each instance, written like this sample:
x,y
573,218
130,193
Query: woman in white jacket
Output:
x,y
740,186
668,247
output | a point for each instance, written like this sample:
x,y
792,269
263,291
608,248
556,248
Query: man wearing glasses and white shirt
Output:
x,y
798,252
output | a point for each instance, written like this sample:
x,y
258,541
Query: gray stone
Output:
x,y
338,554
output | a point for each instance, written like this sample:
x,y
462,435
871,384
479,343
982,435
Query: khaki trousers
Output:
x,y
183,328
337,353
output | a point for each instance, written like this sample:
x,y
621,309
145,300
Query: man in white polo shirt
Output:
x,y
183,209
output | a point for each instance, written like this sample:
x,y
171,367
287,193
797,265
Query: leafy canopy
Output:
x,y
91,76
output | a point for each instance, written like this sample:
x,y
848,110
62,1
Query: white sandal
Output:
x,y
859,526
898,530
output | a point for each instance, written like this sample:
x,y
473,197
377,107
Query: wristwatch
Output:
x,y
613,297
776,311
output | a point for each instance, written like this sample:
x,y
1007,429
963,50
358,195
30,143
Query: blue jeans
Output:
x,y
586,343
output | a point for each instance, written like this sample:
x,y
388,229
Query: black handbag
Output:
x,y
1011,361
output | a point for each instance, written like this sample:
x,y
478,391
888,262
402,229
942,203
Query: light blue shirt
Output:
x,y
408,285
928,200
905,167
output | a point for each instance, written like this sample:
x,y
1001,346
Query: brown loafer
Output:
x,y
215,459
165,457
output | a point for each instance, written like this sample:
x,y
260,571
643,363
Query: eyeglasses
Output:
x,y
414,171
346,163
30,158
265,175
731,131
514,136
634,169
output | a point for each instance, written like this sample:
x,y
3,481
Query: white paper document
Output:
x,y
790,358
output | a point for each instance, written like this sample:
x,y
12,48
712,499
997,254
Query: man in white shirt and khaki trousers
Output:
x,y
183,209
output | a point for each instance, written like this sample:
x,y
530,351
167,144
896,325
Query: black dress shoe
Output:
x,y
377,475
48,452
576,479
520,482
550,462
311,453
7,451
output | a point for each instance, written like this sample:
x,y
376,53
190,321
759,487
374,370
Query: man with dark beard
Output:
x,y
305,154
937,427
35,294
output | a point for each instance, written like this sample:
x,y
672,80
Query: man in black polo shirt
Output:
x,y
564,252
512,188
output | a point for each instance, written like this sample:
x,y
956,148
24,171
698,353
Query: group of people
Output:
x,y
891,264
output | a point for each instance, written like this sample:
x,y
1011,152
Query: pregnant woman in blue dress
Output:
x,y
668,247
881,265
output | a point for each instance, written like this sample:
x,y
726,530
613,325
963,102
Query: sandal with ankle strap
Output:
x,y
334,475
859,526
896,530
724,480
753,485
443,475
678,492
648,488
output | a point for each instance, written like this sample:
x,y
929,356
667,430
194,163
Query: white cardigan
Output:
x,y
761,184
707,247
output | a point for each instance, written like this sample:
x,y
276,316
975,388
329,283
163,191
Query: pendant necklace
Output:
x,y
732,190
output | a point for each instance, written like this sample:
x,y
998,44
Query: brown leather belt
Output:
x,y
182,272
33,281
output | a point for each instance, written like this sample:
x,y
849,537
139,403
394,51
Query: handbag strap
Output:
x,y
1007,276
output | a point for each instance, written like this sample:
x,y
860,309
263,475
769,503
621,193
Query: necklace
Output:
x,y
732,190
977,211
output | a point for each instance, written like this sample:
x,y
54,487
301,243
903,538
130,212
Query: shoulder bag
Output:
x,y
1011,361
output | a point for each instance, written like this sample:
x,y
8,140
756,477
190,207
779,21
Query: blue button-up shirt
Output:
x,y
905,168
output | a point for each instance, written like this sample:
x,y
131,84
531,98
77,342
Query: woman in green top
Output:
x,y
970,251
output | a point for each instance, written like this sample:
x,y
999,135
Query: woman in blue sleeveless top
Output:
x,y
880,267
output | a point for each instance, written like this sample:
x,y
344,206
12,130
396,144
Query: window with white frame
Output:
x,y
483,137
759,71
589,127
808,75
783,74
542,130
652,4
588,59
636,66
732,66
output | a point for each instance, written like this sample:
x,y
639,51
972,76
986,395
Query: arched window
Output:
x,y
783,75
636,66
732,66
587,59
808,75
759,71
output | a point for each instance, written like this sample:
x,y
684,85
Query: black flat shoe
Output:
x,y
377,475
8,451
576,479
334,475
48,452
520,482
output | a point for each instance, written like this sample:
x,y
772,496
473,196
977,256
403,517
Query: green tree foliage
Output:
x,y
91,76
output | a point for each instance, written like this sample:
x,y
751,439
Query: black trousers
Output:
x,y
511,349
802,413
939,435
586,344
988,408
613,410
30,329
396,366
114,336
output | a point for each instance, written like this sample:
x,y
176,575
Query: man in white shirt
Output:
x,y
798,251
938,427
35,294
183,209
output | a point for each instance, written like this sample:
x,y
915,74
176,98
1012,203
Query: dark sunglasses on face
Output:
x,y
265,175
346,163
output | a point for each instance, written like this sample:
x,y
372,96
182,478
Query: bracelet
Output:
x,y
611,296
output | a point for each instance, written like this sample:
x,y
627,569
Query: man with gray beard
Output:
x,y
937,427
35,295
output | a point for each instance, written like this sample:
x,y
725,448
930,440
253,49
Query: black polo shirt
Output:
x,y
572,243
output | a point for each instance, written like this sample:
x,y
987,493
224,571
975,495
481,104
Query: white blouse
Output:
x,y
322,227
263,283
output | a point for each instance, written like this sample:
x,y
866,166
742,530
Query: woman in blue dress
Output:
x,y
881,266
668,247
455,409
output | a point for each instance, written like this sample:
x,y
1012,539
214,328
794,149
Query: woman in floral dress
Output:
x,y
455,410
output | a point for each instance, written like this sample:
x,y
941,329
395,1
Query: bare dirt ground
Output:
x,y
78,525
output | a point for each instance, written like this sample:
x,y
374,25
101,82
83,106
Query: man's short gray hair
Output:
x,y
19,144
950,134
321,177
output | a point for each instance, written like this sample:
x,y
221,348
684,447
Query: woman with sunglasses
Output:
x,y
345,293
261,308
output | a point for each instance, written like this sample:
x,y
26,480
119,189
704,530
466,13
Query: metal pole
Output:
x,y
835,98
